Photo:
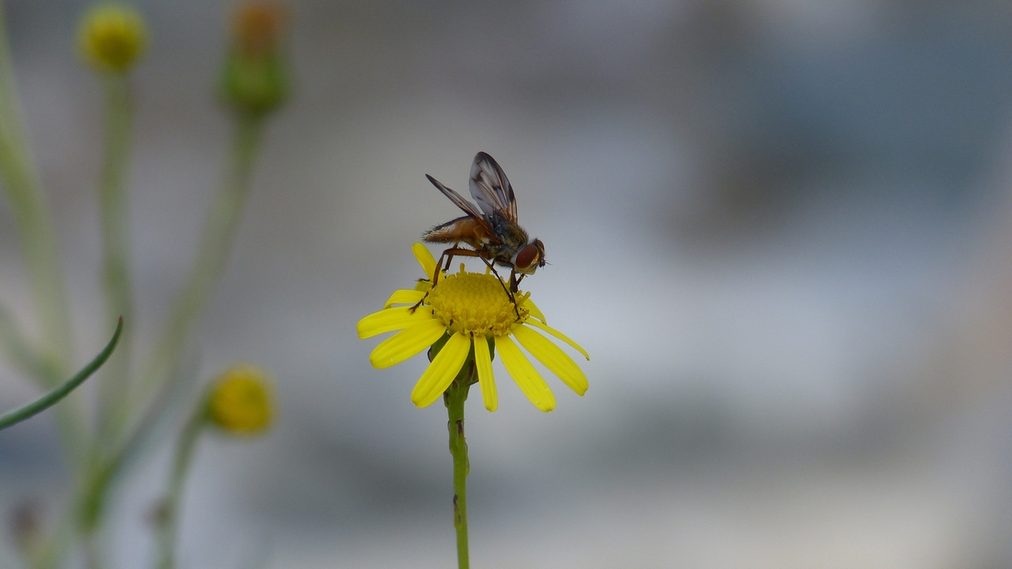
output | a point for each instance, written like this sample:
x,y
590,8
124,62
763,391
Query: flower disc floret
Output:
x,y
475,303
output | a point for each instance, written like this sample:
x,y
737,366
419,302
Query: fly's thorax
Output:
x,y
511,235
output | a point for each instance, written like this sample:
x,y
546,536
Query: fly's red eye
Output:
x,y
528,257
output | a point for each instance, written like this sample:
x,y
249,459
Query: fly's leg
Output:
x,y
508,292
515,280
442,266
514,289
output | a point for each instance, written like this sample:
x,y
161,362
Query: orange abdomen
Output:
x,y
461,230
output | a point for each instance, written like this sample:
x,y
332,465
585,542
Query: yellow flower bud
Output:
x,y
111,37
241,401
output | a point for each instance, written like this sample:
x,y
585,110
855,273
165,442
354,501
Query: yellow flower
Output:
x,y
474,312
111,37
240,401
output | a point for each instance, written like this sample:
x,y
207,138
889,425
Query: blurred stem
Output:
x,y
51,555
39,249
168,526
54,396
93,554
32,216
115,251
54,551
212,253
98,477
18,351
101,473
454,398
92,494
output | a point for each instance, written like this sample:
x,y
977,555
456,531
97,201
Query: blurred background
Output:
x,y
782,229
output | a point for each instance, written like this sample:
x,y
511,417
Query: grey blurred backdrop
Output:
x,y
781,228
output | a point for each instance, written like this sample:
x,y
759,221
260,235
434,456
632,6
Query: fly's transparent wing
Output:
x,y
459,201
491,188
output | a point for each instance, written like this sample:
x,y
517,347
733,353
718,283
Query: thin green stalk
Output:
x,y
54,550
115,251
39,250
91,509
20,352
168,523
53,397
212,254
214,246
31,213
99,476
93,558
454,398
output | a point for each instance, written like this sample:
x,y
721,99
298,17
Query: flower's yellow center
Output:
x,y
476,303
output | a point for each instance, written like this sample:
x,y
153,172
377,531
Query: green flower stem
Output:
x,y
168,522
31,213
39,250
211,256
52,554
115,249
19,351
49,399
99,476
114,389
93,558
54,549
163,362
454,398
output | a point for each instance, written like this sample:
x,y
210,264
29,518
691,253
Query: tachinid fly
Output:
x,y
491,228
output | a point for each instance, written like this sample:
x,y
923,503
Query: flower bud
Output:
x,y
111,37
241,402
254,80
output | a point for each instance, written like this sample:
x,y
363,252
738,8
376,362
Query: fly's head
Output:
x,y
530,258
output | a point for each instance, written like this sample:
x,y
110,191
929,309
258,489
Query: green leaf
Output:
x,y
53,397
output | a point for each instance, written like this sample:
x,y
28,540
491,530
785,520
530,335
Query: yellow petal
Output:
x,y
390,319
406,343
486,380
404,296
535,311
558,335
553,358
425,259
523,373
443,369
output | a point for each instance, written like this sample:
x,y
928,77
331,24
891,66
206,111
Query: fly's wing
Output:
x,y
460,202
491,188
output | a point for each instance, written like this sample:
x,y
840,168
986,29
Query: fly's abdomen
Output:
x,y
461,230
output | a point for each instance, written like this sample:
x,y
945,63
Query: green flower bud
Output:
x,y
254,79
